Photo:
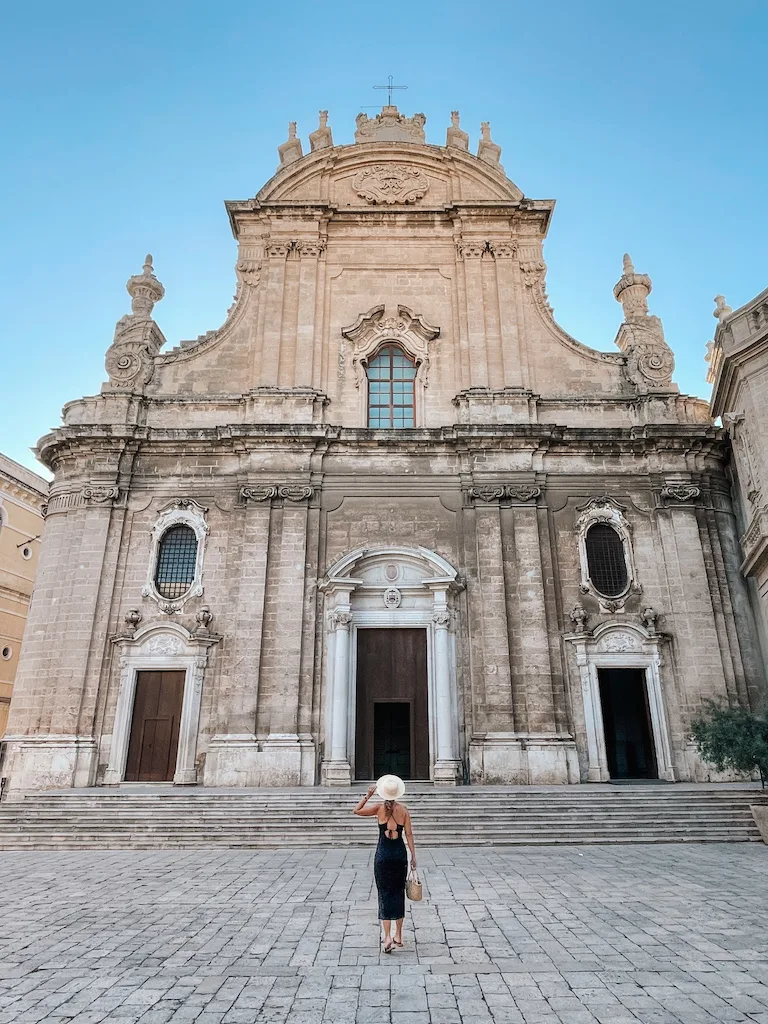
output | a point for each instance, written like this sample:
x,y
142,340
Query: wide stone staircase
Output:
x,y
166,818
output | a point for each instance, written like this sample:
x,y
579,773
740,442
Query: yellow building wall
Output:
x,y
22,495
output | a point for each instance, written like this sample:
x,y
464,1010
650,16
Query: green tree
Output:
x,y
732,738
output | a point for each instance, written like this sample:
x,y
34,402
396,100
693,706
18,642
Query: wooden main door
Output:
x,y
392,725
154,741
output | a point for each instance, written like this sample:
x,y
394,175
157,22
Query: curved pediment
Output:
x,y
389,174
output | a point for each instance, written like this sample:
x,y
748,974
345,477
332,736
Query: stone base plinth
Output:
x,y
447,773
336,773
280,760
49,762
515,759
760,814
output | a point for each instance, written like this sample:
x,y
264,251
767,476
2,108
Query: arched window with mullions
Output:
x,y
606,560
391,389
176,561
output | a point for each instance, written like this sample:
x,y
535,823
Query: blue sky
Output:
x,y
125,127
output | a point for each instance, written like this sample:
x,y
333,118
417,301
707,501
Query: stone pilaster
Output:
x,y
232,758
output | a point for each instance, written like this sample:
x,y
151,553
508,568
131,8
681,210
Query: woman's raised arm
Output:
x,y
369,810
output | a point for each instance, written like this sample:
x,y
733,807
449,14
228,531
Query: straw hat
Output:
x,y
390,787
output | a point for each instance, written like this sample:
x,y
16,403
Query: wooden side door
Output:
x,y
391,667
154,741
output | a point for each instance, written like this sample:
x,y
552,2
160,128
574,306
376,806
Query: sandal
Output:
x,y
398,944
387,948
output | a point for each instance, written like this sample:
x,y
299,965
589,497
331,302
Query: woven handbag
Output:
x,y
413,887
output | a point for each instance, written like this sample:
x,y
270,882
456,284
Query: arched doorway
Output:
x,y
390,696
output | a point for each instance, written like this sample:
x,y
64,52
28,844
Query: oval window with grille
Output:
x,y
176,561
605,560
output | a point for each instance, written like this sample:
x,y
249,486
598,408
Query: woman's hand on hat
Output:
x,y
371,790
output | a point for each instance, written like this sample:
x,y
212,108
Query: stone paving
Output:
x,y
658,934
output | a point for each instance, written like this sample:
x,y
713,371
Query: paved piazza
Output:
x,y
658,934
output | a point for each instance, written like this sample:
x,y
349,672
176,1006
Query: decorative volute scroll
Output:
x,y
650,362
374,328
321,137
390,126
130,358
455,136
291,149
487,149
391,183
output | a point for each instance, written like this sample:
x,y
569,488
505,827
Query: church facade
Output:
x,y
389,517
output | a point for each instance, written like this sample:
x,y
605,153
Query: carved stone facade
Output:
x,y
478,529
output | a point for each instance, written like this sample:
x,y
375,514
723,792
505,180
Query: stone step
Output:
x,y
299,819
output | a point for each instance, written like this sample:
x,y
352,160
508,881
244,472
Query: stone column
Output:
x,y
447,765
336,769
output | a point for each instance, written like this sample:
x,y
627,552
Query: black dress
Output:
x,y
390,867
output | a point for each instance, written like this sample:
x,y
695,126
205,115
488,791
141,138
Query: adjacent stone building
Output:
x,y
738,371
22,497
390,516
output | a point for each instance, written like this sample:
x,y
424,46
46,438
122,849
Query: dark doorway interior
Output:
x,y
392,725
392,738
154,741
627,723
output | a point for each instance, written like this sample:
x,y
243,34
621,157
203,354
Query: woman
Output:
x,y
390,865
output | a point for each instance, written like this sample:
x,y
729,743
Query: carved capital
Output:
x,y
265,492
680,492
487,492
441,619
341,620
99,495
258,493
299,492
498,492
523,492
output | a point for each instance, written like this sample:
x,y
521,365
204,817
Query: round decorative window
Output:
x,y
26,552
7,653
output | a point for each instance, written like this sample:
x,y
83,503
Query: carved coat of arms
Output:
x,y
391,183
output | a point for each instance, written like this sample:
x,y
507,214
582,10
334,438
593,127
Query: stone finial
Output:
x,y
145,290
455,136
487,149
649,618
632,290
578,617
291,149
204,618
722,309
132,620
650,362
130,358
321,138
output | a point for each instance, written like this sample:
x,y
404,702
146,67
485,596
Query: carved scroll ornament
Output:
x,y
391,183
291,492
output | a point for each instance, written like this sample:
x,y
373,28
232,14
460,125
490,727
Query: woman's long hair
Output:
x,y
389,807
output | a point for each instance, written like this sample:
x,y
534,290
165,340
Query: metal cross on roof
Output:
x,y
390,87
